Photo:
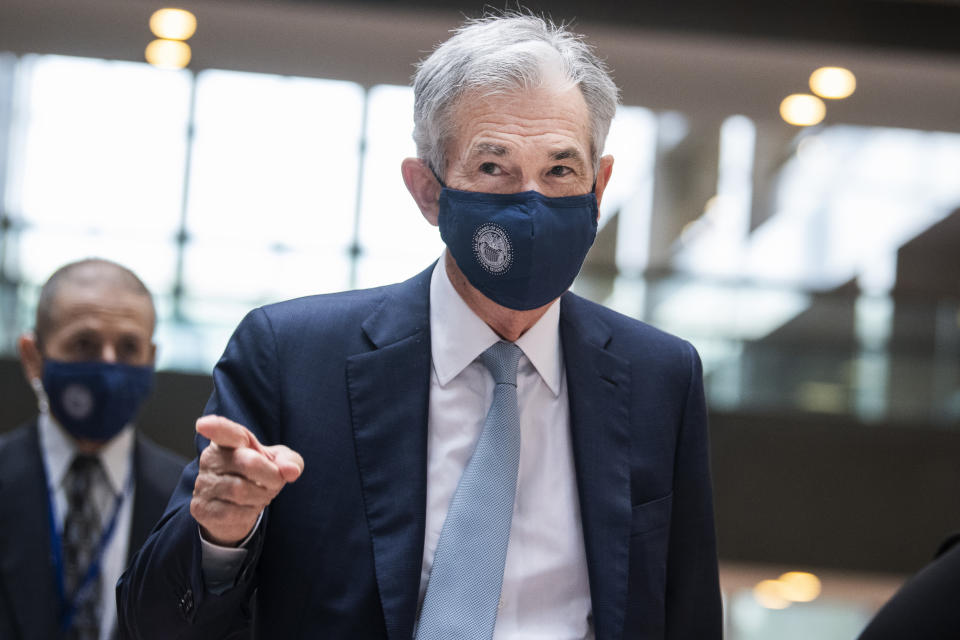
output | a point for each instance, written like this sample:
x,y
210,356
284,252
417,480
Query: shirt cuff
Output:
x,y
221,564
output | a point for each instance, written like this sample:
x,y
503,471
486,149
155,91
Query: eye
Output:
x,y
490,168
127,349
85,347
560,171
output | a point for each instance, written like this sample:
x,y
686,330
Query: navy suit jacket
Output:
x,y
344,380
29,603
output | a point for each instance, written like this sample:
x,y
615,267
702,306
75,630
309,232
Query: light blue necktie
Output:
x,y
464,586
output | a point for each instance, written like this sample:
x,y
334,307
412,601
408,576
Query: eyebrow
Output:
x,y
488,148
569,153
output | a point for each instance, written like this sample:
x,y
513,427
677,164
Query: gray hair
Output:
x,y
500,54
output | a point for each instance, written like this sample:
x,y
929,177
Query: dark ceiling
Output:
x,y
920,25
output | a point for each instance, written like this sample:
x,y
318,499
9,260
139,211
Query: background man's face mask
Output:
x,y
94,400
521,250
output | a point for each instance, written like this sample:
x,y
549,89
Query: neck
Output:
x,y
86,447
507,323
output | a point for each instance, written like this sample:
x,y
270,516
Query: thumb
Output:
x,y
226,432
287,460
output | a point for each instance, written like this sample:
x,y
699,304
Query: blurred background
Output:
x,y
809,248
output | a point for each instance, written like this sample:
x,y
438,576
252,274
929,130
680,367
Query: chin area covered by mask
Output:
x,y
521,250
95,400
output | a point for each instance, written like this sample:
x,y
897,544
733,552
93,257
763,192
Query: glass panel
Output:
x,y
193,347
39,252
273,186
99,145
395,239
632,143
849,198
713,245
260,274
275,158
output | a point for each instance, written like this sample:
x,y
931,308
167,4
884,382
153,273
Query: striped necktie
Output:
x,y
81,534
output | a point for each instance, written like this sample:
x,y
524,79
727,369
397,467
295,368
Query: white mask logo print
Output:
x,y
492,248
77,401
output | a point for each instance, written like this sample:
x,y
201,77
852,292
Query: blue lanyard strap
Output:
x,y
68,605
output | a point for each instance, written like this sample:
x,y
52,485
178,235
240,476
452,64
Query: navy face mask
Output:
x,y
521,250
94,400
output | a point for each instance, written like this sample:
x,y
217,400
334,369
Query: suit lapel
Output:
x,y
389,399
598,387
26,570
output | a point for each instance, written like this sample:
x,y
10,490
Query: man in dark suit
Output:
x,y
79,489
339,478
925,608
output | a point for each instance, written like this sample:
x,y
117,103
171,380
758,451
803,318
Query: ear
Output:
x,y
30,358
423,186
603,176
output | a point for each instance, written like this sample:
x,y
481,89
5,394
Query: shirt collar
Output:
x,y
59,450
458,335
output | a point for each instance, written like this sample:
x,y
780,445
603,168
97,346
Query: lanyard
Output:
x,y
68,606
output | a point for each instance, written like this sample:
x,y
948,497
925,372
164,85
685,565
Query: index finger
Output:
x,y
227,433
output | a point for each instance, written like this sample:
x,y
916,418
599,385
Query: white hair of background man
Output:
x,y
501,54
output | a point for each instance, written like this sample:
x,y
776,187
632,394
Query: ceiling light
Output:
x,y
799,586
173,24
802,109
835,83
168,54
767,593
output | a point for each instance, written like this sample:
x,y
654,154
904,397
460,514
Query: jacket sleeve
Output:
x,y
693,608
162,594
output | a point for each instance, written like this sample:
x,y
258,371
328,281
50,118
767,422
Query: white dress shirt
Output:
x,y
545,592
116,457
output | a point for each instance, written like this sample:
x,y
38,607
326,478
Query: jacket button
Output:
x,y
186,602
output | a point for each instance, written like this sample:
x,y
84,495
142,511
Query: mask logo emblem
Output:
x,y
492,248
77,401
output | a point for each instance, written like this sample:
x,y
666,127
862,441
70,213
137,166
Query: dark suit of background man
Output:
x,y
369,406
90,361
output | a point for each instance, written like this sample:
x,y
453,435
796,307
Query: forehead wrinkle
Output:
x,y
98,311
534,124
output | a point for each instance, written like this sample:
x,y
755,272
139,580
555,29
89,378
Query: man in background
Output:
x,y
475,452
79,488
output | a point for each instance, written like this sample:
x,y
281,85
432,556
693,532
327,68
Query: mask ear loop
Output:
x,y
435,175
43,402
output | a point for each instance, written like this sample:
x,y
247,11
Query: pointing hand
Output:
x,y
238,477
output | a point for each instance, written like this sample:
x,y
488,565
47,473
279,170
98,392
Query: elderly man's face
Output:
x,y
535,140
101,323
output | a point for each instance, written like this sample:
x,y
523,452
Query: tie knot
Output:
x,y
84,464
84,470
501,360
